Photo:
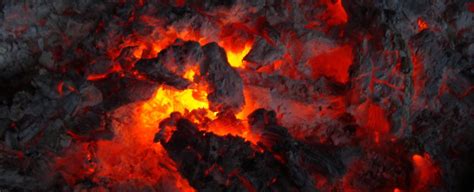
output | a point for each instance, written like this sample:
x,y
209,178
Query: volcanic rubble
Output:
x,y
267,95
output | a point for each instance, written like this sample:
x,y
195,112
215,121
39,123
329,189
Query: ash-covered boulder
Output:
x,y
224,81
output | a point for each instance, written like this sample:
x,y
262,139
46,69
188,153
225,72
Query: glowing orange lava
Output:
x,y
131,157
168,100
236,58
422,25
426,172
335,13
334,63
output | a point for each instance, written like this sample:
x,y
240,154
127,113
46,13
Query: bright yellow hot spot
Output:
x,y
236,58
168,100
189,74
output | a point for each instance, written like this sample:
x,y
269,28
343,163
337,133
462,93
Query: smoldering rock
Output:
x,y
263,53
140,90
431,49
171,63
298,90
224,81
87,120
60,28
99,66
90,96
378,169
181,56
117,91
46,84
155,71
275,138
126,59
211,162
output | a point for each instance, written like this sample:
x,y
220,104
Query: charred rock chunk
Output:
x,y
118,91
172,63
263,53
379,169
225,82
180,56
277,139
156,71
213,163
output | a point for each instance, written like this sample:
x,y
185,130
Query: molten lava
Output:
x,y
235,58
426,172
422,25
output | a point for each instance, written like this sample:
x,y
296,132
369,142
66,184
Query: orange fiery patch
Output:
x,y
237,42
236,57
422,25
334,64
133,144
96,77
131,156
59,88
371,116
377,121
426,172
335,13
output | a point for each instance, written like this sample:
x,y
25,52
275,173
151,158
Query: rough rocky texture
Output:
x,y
169,66
431,86
225,83
65,65
211,162
263,53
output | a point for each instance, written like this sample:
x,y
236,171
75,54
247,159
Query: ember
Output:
x,y
247,95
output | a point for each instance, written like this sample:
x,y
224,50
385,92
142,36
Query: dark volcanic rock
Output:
x,y
263,53
118,91
171,63
275,138
156,71
213,163
225,83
